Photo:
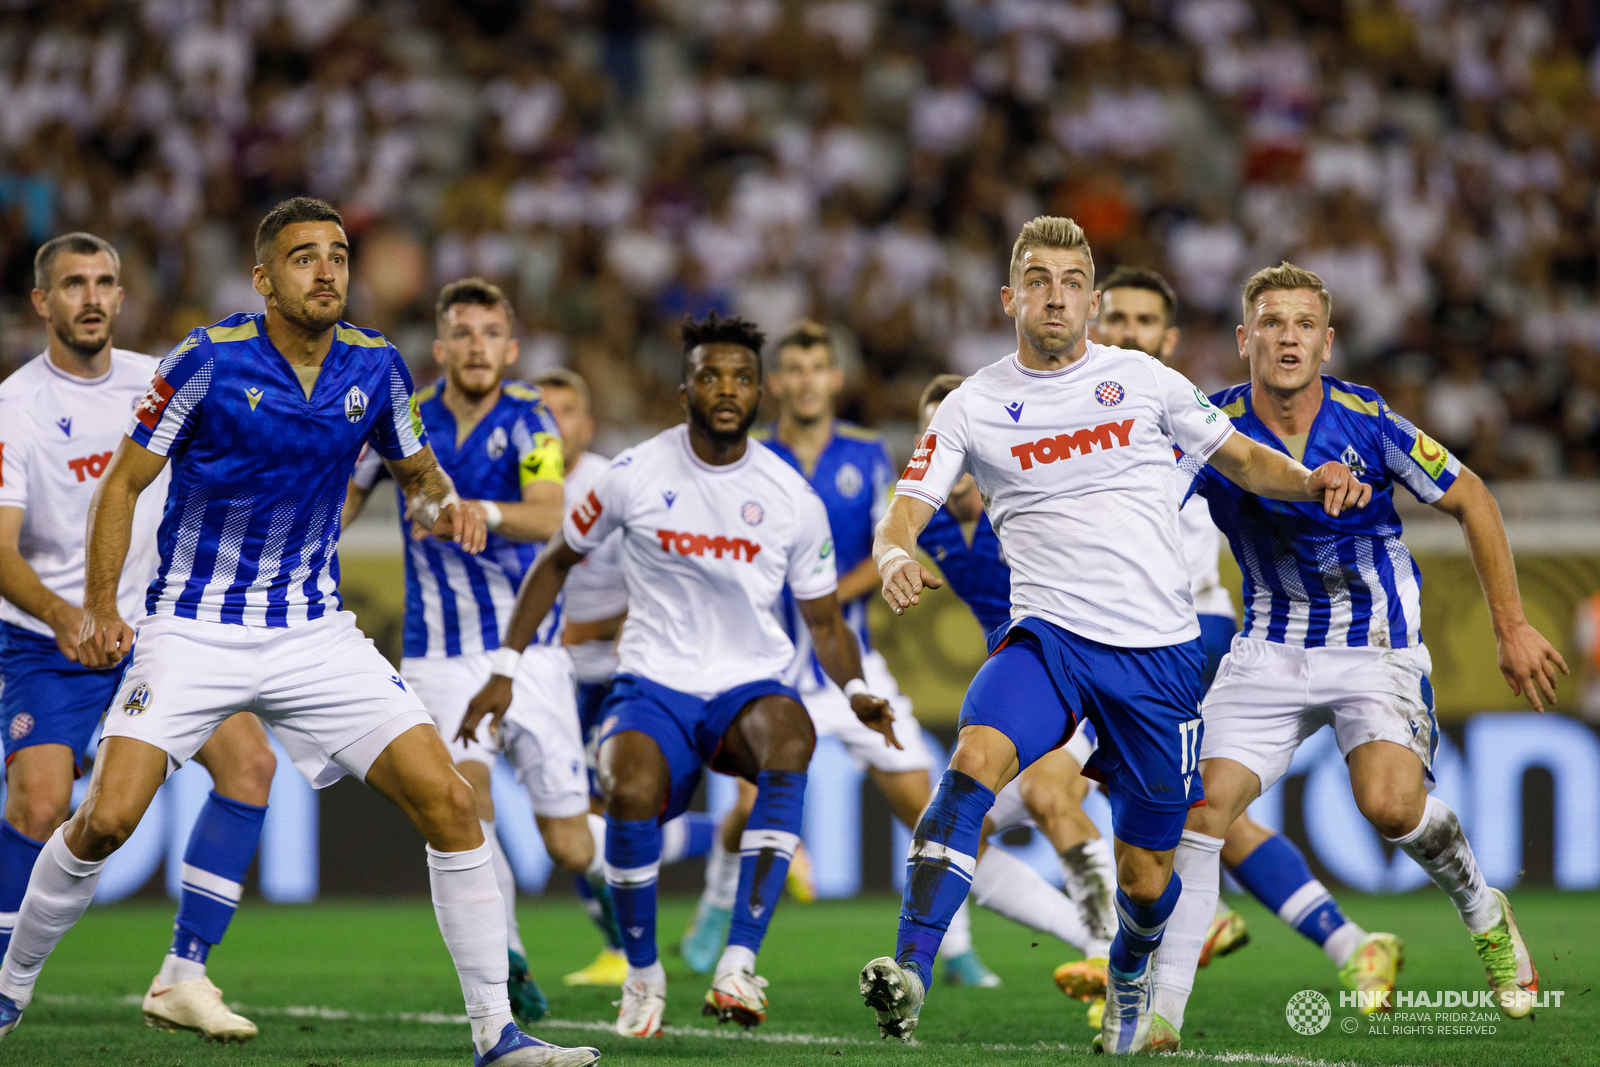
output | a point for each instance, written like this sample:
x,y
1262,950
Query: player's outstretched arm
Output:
x,y
432,503
20,584
1528,661
537,595
840,655
894,552
534,518
1267,472
104,637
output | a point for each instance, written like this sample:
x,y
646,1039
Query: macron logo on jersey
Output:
x,y
693,544
1062,446
921,457
154,402
585,513
89,466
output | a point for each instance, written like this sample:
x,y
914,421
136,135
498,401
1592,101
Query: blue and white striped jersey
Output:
x,y
1314,580
251,526
458,603
853,476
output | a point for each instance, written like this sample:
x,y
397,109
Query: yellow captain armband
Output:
x,y
1430,455
545,461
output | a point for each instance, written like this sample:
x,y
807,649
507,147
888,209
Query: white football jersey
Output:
x,y
57,435
705,553
595,588
1202,547
1076,470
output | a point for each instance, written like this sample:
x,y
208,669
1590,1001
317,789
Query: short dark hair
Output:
x,y
473,291
1144,278
935,391
293,210
565,378
808,334
81,244
716,330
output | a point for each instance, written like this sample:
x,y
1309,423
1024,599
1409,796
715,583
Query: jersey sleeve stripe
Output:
x,y
406,433
1206,452
173,412
910,490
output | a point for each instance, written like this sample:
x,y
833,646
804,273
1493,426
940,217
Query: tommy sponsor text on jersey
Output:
x,y
705,552
58,433
1077,474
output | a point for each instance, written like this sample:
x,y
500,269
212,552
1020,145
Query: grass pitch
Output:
x,y
369,983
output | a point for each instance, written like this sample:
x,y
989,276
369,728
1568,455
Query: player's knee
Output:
x,y
1144,884
36,816
1048,801
1390,811
252,775
631,798
102,831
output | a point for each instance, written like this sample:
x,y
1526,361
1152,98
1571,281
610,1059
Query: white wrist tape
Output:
x,y
492,515
891,557
505,662
854,686
426,512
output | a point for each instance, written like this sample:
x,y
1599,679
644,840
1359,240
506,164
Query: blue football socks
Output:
x,y
633,862
944,851
220,847
1139,928
17,853
1277,874
765,849
688,837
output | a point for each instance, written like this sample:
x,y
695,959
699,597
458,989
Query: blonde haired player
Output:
x,y
1333,634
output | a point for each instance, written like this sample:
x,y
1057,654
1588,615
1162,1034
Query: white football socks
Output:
x,y
674,839
958,938
1089,878
735,958
1007,886
1440,847
507,882
1343,942
1198,861
652,977
722,876
472,918
60,890
597,864
175,969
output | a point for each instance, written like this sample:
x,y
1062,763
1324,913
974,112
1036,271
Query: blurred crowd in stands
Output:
x,y
616,164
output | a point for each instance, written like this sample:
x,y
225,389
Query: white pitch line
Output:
x,y
439,1018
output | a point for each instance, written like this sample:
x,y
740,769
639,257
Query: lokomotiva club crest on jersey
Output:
x,y
355,404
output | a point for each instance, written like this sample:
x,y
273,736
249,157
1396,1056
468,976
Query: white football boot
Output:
x,y
640,1009
736,996
194,1004
895,994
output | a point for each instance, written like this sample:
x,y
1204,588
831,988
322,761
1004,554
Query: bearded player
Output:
x,y
595,600
1138,310
1332,633
1071,445
61,416
499,445
850,470
262,417
713,526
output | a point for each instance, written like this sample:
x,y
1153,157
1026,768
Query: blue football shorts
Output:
x,y
1041,681
47,699
687,729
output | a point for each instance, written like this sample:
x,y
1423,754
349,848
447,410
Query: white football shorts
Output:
x,y
539,736
321,687
831,715
1009,810
1269,697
